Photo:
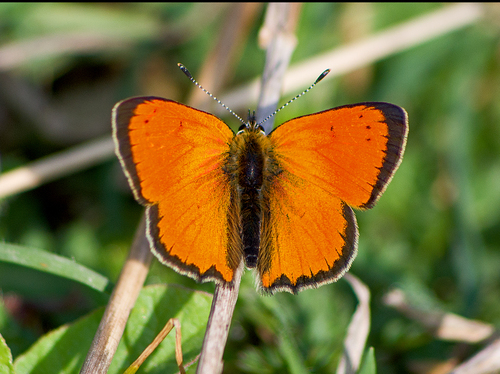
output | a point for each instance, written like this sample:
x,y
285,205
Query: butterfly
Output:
x,y
281,203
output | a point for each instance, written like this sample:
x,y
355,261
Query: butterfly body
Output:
x,y
251,168
280,203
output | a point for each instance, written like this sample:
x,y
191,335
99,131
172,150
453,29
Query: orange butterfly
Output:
x,y
281,202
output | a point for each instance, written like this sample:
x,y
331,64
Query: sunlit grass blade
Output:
x,y
53,264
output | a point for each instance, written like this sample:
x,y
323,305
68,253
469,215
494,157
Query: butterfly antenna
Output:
x,y
188,74
322,75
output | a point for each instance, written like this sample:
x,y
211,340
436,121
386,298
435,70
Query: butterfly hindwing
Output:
x,y
173,156
310,236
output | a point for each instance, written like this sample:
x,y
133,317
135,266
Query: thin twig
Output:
x,y
119,306
445,326
277,35
221,61
225,297
218,325
171,323
55,166
487,361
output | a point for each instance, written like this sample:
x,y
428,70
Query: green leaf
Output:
x,y
369,365
53,264
155,306
64,349
6,366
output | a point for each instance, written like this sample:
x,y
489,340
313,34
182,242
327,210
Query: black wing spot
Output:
x,y
360,116
368,127
368,139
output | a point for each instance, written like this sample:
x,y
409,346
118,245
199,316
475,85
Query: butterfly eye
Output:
x,y
242,128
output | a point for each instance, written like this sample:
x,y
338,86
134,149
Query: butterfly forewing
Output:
x,y
351,151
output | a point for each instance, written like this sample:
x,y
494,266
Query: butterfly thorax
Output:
x,y
248,166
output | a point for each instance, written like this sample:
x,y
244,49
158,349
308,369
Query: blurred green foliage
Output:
x,y
435,233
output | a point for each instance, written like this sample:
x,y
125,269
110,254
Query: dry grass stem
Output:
x,y
225,297
358,330
221,60
278,36
55,166
445,326
487,361
120,304
218,325
172,322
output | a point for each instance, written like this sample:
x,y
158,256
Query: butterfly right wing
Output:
x,y
323,164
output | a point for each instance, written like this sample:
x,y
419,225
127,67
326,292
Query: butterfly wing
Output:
x,y
173,156
310,237
328,162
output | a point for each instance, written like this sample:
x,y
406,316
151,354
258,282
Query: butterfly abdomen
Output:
x,y
250,179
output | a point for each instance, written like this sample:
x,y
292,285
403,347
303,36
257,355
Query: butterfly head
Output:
x,y
251,125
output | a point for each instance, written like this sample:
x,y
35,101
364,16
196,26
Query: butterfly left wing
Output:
x,y
326,162
173,156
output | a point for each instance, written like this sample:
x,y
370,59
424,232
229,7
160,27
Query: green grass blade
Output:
x,y
53,264
6,366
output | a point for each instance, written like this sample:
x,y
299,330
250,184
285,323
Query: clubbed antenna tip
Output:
x,y
185,70
322,75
